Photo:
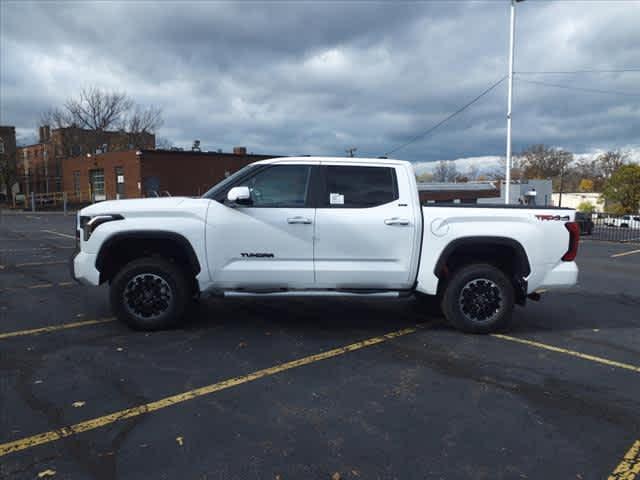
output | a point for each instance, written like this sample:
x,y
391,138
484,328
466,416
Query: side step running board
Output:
x,y
312,293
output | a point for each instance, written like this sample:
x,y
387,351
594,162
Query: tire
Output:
x,y
478,298
150,294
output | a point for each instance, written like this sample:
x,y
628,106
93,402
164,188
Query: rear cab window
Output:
x,y
353,186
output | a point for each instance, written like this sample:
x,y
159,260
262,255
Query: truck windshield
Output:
x,y
219,187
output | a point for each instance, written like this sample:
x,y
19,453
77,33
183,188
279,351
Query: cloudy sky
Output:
x,y
317,77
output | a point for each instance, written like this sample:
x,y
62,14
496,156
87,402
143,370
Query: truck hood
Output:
x,y
138,205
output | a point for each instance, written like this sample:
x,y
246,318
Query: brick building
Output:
x,y
41,165
144,173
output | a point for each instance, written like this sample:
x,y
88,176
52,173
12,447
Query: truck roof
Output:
x,y
346,160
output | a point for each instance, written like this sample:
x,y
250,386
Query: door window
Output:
x,y
281,186
360,187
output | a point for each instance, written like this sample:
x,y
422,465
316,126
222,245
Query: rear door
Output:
x,y
366,228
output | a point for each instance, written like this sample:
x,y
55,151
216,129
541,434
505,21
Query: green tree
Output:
x,y
586,207
623,188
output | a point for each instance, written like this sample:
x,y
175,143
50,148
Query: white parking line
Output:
x,y
625,253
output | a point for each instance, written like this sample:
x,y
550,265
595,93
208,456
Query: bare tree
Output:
x,y
96,109
96,112
141,121
445,171
164,143
608,163
56,118
541,161
8,171
472,172
499,172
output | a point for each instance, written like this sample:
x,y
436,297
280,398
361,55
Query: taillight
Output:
x,y
574,239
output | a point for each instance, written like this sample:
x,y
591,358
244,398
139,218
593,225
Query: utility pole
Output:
x,y
351,151
512,32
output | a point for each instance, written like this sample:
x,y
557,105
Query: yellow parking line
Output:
x,y
584,356
54,328
58,233
629,467
625,253
67,431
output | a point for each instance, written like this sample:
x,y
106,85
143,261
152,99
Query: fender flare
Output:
x,y
523,266
192,258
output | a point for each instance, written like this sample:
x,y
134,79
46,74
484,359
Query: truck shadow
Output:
x,y
310,314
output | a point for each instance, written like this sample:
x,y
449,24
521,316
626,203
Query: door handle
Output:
x,y
300,220
396,221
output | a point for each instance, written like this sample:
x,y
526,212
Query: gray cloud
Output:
x,y
314,77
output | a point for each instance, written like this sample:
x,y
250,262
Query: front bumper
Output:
x,y
83,268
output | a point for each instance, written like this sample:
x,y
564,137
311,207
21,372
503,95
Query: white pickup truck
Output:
x,y
323,226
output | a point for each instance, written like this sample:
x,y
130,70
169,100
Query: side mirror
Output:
x,y
239,196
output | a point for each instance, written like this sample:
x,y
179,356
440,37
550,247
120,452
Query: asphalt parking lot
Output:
x,y
313,388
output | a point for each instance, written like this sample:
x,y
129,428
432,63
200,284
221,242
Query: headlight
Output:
x,y
89,224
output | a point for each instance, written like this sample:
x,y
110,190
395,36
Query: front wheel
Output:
x,y
150,294
478,298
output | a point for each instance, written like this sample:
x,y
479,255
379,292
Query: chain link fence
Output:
x,y
612,228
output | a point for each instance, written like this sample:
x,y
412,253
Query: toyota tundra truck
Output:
x,y
323,226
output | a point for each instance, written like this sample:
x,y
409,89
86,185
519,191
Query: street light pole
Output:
x,y
512,32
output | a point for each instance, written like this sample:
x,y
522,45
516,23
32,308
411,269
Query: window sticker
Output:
x,y
336,199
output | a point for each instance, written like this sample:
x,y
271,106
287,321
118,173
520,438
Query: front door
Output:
x,y
269,243
96,182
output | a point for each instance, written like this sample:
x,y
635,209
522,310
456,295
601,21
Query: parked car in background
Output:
x,y
627,221
585,222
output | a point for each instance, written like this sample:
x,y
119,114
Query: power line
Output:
x,y
570,72
443,121
589,90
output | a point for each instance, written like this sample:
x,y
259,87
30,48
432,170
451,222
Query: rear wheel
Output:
x,y
478,298
150,294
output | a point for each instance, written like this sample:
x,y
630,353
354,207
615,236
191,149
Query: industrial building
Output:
x,y
148,173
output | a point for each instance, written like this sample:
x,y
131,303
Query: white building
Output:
x,y
526,192
572,200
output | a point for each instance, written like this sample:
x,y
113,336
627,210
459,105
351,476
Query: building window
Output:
x,y
96,181
76,183
119,182
1,146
